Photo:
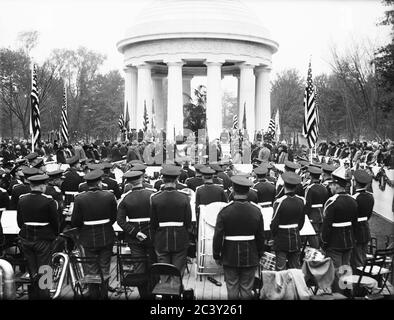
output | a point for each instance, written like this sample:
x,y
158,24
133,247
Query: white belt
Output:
x,y
138,220
267,203
317,206
239,238
341,224
95,222
288,226
362,219
171,224
36,224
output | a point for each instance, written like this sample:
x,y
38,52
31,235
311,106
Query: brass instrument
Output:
x,y
60,263
7,281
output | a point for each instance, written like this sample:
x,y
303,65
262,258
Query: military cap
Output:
x,y
339,176
39,163
94,175
242,181
291,178
139,167
207,171
291,165
314,170
38,178
106,165
171,171
30,171
31,156
198,167
73,160
216,167
133,175
315,164
362,176
303,163
95,166
55,173
327,168
261,170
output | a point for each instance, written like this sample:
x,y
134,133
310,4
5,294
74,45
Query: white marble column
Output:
x,y
174,100
247,98
214,99
186,84
130,91
158,98
263,98
144,94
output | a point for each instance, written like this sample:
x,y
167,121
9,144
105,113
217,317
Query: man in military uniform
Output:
x,y
94,214
208,192
251,195
72,177
222,175
159,184
196,181
326,177
287,221
265,189
316,196
24,188
53,189
38,222
238,241
134,219
109,181
171,217
340,219
365,202
280,190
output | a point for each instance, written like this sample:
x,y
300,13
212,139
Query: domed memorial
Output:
x,y
172,41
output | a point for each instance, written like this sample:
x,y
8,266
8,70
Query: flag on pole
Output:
x,y
310,127
235,122
277,125
127,121
35,126
153,115
271,128
121,122
244,118
64,125
146,117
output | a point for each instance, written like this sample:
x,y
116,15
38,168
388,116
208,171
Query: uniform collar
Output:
x,y
240,197
169,188
361,189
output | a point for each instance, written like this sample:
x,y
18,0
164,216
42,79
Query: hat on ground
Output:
x,y
73,160
314,170
38,179
362,176
31,156
171,171
133,175
291,178
241,181
28,172
207,171
55,174
94,175
289,165
261,170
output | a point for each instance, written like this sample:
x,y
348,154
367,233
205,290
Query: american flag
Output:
x,y
310,127
146,118
35,126
244,118
235,122
121,122
127,121
153,115
271,127
64,125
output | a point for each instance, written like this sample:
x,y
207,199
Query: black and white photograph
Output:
x,y
196,156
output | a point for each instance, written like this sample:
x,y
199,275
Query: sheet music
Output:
x,y
9,222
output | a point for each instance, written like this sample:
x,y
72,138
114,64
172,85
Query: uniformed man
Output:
x,y
83,186
38,222
142,167
159,184
238,241
24,188
340,219
72,176
265,189
365,202
134,219
208,192
53,189
326,177
222,175
251,195
109,181
316,196
171,221
94,214
289,167
287,221
31,157
196,181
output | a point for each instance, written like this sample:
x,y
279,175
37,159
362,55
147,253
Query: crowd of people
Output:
x,y
156,218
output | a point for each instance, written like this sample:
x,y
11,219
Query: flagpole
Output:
x,y
31,124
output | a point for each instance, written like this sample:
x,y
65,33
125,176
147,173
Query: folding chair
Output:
x,y
373,275
88,278
128,276
166,288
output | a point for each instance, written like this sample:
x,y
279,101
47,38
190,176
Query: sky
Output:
x,y
303,28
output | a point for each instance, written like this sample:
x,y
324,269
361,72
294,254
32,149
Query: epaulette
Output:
x,y
253,189
199,187
23,195
184,192
17,184
79,193
302,198
47,196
